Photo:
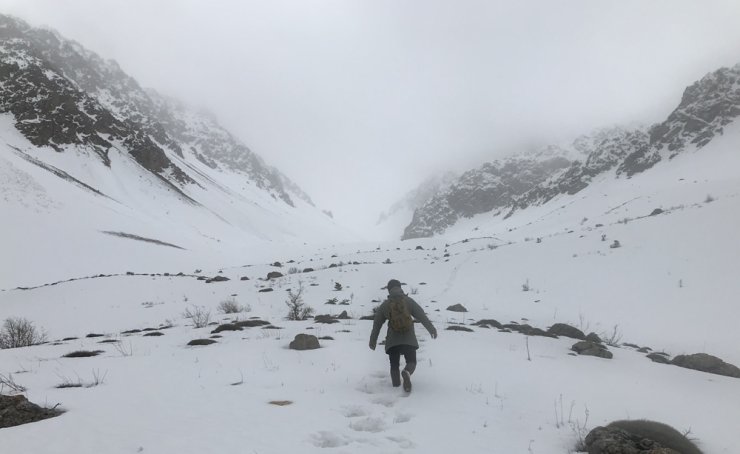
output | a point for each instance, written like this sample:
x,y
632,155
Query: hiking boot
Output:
x,y
406,380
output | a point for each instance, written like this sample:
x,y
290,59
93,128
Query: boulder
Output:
x,y
343,316
593,337
527,330
226,327
251,323
457,308
591,349
217,279
274,275
304,342
326,318
562,329
265,290
658,358
201,342
638,437
488,322
459,328
706,363
17,410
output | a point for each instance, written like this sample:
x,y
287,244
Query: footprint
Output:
x,y
368,424
325,439
379,374
401,418
353,411
386,401
404,443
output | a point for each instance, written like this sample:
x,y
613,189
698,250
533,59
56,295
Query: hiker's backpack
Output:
x,y
400,317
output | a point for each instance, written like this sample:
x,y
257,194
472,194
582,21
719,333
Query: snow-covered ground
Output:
x,y
671,285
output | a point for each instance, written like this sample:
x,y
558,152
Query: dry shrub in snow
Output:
x,y
297,309
20,332
199,315
231,306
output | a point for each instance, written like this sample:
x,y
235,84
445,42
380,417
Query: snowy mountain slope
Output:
x,y
104,155
393,220
57,222
670,286
707,108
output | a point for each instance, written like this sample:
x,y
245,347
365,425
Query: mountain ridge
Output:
x,y
706,108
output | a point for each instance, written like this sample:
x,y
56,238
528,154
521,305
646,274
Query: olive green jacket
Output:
x,y
393,337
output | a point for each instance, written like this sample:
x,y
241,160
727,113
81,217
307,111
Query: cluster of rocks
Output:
x,y
329,319
17,410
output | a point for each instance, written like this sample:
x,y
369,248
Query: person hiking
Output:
x,y
399,309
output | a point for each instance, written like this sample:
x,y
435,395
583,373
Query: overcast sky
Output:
x,y
359,101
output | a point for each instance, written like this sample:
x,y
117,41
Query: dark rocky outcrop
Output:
x,y
304,342
274,275
527,330
17,410
83,353
562,329
217,279
325,318
638,437
457,308
251,323
591,349
706,363
201,342
658,358
226,327
488,322
459,328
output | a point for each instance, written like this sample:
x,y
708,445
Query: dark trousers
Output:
x,y
394,354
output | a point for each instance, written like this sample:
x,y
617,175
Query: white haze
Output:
x,y
358,101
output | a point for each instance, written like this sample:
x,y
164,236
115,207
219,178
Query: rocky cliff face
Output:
x,y
706,107
516,183
61,94
492,186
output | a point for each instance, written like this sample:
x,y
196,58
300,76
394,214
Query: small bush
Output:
x,y
613,339
199,315
231,306
20,332
297,309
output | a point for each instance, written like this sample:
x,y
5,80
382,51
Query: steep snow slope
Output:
x,y
57,222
